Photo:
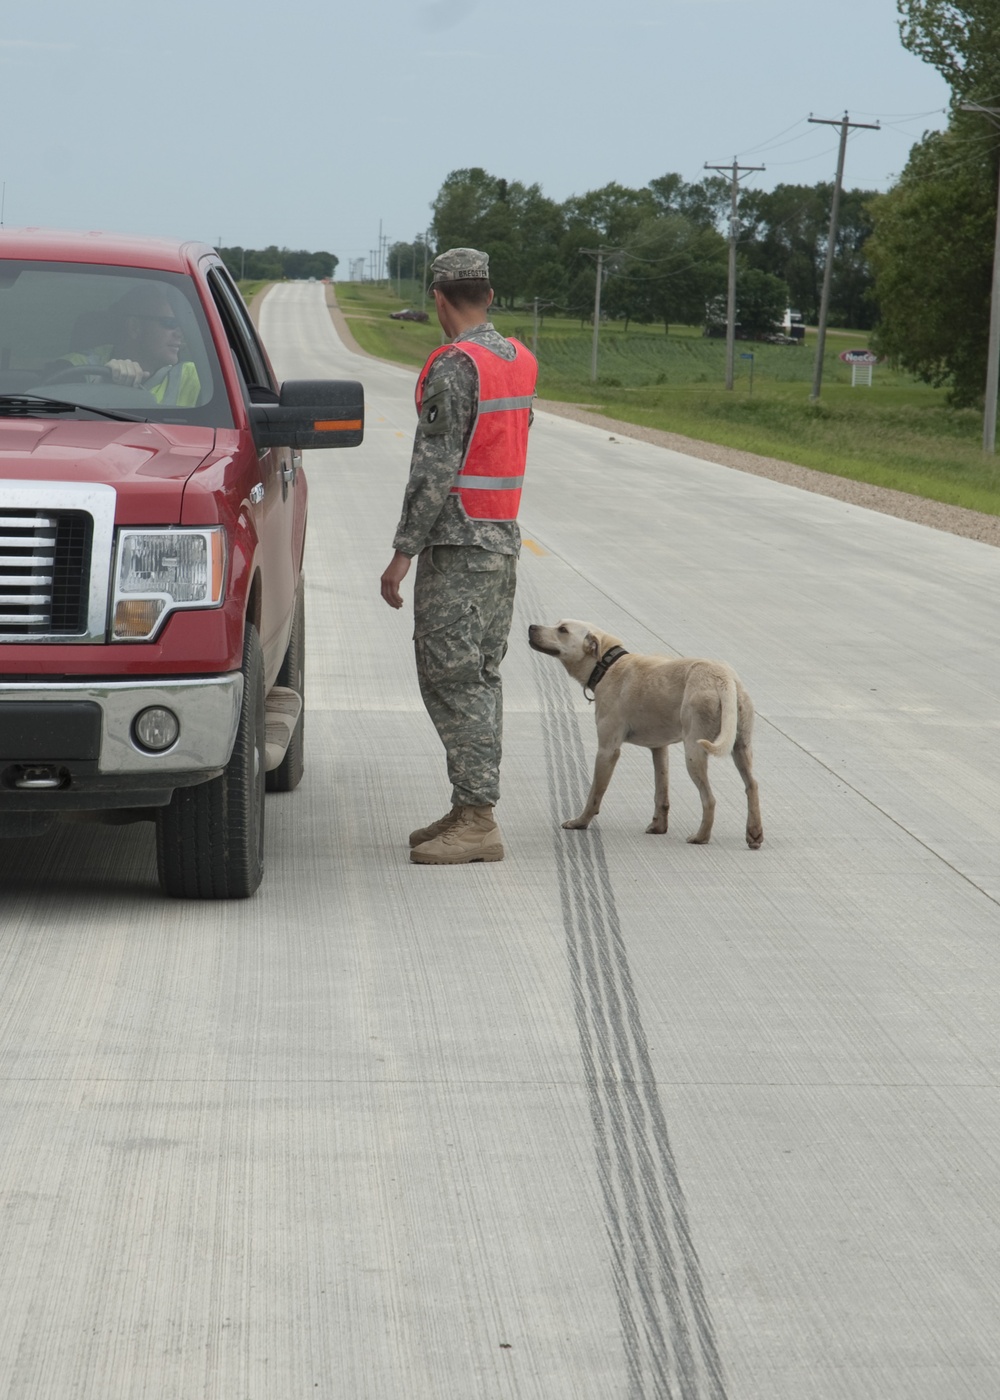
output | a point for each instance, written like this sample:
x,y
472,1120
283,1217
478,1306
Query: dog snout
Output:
x,y
538,639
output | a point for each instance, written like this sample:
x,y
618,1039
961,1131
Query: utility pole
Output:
x,y
537,306
993,357
423,292
737,171
845,125
597,253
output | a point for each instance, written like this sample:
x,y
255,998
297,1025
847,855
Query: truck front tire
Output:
x,y
210,838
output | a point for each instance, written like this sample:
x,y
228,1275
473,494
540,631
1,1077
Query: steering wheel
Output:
x,y
75,374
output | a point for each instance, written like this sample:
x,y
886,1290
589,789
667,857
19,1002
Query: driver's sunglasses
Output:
x,y
169,323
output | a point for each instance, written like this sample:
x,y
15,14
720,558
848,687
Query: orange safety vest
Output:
x,y
489,480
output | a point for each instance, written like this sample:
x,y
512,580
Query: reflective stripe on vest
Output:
x,y
489,479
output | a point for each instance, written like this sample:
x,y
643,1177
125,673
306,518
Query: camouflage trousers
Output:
x,y
463,603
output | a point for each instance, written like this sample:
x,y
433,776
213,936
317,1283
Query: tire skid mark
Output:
x,y
667,1332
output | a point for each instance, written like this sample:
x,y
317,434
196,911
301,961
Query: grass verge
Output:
x,y
250,287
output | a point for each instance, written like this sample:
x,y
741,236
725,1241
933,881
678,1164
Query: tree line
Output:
x,y
272,264
664,257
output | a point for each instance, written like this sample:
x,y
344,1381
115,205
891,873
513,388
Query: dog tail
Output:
x,y
729,708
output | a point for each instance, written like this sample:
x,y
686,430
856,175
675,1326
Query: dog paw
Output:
x,y
755,839
698,840
576,824
656,829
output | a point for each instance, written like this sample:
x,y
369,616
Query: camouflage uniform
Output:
x,y
463,597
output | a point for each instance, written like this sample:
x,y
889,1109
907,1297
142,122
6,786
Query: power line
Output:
x,y
905,116
772,140
965,161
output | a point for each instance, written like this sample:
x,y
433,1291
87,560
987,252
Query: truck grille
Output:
x,y
44,573
56,543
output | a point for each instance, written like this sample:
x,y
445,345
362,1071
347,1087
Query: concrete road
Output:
x,y
618,1117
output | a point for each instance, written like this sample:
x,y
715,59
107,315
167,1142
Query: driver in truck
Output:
x,y
145,349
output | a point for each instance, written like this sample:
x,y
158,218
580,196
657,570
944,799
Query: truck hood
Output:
x,y
148,464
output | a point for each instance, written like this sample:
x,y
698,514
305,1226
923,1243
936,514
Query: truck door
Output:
x,y
278,466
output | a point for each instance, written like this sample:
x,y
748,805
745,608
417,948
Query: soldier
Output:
x,y
459,517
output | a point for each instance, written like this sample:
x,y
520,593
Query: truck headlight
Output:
x,y
159,571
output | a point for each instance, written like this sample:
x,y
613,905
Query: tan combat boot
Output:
x,y
472,836
428,833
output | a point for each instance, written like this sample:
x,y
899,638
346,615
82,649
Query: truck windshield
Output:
x,y
117,339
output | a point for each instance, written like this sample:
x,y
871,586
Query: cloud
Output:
x,y
439,15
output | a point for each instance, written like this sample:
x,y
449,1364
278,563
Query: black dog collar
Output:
x,y
609,658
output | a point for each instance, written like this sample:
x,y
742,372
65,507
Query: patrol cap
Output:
x,y
460,265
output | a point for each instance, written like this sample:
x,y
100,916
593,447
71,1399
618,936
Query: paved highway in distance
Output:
x,y
618,1118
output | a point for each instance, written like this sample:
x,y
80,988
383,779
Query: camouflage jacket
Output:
x,y
431,514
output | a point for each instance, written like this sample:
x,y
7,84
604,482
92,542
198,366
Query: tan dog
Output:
x,y
653,701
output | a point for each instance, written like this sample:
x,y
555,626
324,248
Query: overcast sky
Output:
x,y
305,124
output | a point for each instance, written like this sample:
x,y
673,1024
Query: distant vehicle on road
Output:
x,y
408,315
152,526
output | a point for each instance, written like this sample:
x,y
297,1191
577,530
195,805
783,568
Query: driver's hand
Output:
x,y
128,372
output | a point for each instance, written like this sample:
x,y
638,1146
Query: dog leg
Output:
x,y
604,766
743,758
697,766
661,799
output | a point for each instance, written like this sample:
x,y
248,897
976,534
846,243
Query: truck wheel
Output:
x,y
210,838
288,773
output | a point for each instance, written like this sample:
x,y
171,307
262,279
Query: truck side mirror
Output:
x,y
312,413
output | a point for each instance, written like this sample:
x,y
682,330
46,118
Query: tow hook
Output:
x,y
36,777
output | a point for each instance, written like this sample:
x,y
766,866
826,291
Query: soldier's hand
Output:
x,y
398,568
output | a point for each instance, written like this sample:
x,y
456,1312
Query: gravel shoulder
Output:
x,y
956,520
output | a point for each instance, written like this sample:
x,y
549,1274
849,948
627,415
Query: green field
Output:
x,y
900,433
249,289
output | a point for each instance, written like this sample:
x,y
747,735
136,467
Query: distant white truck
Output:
x,y
792,325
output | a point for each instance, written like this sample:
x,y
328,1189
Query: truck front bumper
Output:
x,y
73,744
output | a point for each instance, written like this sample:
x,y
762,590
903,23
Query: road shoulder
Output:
x,y
956,520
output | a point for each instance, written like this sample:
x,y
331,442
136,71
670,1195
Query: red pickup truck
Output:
x,y
152,526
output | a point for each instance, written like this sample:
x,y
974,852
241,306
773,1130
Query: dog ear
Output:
x,y
591,644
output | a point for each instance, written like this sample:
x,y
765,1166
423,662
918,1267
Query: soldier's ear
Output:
x,y
591,644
